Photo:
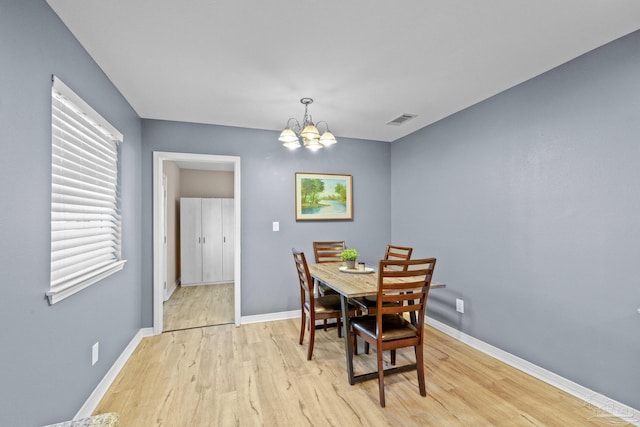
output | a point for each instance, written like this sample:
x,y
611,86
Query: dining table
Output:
x,y
350,284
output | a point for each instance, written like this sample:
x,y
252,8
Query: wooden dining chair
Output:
x,y
315,308
392,252
403,287
368,304
329,251
401,253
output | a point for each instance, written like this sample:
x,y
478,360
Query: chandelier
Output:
x,y
290,136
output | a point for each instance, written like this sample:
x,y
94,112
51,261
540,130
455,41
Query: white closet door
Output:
x,y
228,239
190,241
212,240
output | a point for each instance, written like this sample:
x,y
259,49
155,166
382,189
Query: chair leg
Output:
x,y
354,342
339,323
303,325
380,377
312,336
420,369
366,347
393,357
412,317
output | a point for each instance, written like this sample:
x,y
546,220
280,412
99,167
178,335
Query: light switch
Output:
x,y
276,226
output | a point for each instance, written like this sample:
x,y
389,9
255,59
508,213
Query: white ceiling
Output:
x,y
247,63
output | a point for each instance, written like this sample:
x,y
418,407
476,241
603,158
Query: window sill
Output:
x,y
57,296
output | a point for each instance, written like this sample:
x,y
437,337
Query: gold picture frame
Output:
x,y
323,196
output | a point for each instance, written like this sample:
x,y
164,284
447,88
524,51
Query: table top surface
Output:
x,y
349,284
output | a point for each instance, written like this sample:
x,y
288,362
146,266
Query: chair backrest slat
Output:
x,y
401,253
329,251
397,253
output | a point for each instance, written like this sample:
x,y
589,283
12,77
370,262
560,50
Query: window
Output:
x,y
85,202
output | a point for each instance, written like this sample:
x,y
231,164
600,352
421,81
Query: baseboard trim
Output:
x,y
228,282
270,317
171,290
603,407
94,399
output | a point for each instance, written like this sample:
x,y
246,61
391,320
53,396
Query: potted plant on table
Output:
x,y
349,256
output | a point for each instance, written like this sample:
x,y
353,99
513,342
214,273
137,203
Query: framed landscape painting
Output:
x,y
323,196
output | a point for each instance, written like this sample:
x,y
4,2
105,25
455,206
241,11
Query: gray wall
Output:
x,y
530,202
267,195
45,351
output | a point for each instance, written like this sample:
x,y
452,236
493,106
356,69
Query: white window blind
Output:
x,y
85,202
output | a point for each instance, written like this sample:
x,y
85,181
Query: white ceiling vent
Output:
x,y
401,119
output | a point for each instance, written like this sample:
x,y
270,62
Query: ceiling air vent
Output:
x,y
401,119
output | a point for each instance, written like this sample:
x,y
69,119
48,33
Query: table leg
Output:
x,y
346,321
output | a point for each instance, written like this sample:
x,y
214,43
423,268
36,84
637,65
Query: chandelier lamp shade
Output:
x,y
307,130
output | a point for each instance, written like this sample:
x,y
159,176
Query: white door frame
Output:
x,y
163,221
158,226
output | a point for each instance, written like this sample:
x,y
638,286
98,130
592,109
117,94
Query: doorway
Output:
x,y
198,306
194,162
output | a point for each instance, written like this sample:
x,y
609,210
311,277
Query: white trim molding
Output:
x,y
57,296
158,226
270,317
603,406
98,393
171,290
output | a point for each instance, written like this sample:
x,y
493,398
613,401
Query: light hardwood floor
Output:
x,y
195,306
258,375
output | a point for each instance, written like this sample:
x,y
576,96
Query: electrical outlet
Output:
x,y
95,353
459,305
276,226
